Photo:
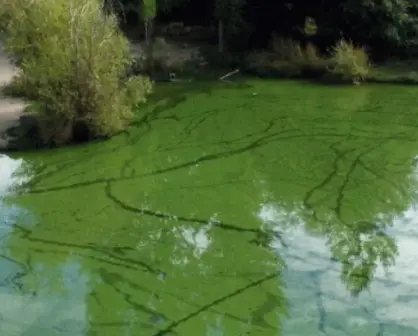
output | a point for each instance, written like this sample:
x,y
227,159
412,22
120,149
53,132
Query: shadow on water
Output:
x,y
256,209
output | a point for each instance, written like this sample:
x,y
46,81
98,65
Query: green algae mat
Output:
x,y
250,208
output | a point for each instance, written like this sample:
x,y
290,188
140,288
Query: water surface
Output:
x,y
258,208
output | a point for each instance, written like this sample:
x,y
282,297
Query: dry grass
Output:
x,y
293,52
289,58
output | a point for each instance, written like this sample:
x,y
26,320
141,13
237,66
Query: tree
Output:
x,y
73,62
229,15
378,24
148,13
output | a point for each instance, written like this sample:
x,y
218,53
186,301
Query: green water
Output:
x,y
258,208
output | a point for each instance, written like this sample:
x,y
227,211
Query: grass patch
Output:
x,y
399,72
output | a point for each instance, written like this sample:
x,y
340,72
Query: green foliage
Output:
x,y
149,9
310,28
394,22
167,5
349,61
73,61
378,24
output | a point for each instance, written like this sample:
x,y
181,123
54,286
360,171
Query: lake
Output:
x,y
249,208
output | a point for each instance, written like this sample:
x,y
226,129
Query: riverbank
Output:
x,y
350,66
398,73
191,59
189,62
395,72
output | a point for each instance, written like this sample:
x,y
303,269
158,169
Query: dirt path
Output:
x,y
10,109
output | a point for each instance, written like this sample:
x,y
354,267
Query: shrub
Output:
x,y
73,61
349,61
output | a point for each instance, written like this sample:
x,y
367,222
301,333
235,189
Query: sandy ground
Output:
x,y
10,109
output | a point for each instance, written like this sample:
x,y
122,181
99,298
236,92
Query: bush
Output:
x,y
73,61
349,61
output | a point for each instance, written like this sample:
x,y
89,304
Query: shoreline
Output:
x,y
12,109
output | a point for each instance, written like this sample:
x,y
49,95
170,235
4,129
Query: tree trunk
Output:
x,y
149,25
220,36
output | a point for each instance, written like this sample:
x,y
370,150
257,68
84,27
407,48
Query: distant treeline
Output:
x,y
387,27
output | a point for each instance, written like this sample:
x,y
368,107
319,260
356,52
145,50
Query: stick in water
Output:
x,y
229,74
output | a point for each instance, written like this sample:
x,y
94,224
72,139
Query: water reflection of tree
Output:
x,y
353,202
360,250
234,290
